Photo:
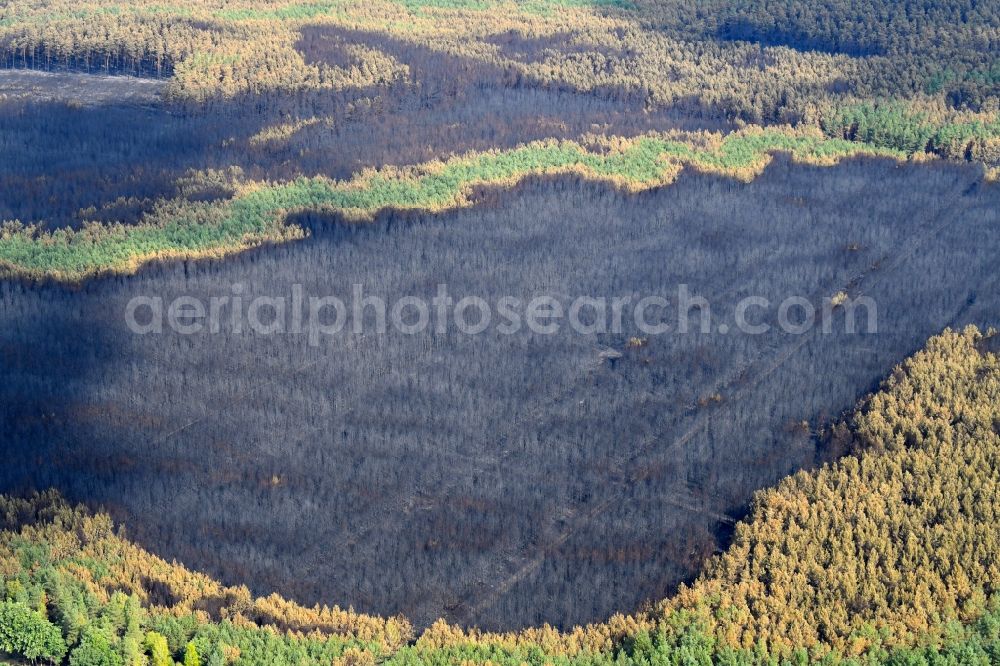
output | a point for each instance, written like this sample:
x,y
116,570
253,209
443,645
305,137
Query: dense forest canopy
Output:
x,y
761,61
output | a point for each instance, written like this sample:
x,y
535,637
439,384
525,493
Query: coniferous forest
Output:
x,y
207,461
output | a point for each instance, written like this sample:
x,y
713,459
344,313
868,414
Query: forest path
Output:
x,y
79,88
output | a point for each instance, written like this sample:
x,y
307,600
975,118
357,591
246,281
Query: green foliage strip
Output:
x,y
181,229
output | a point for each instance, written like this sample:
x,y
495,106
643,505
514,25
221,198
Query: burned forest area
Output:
x,y
418,474
804,195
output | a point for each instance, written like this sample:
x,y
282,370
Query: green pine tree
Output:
x,y
191,657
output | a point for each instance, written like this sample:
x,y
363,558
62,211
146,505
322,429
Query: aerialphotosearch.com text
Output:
x,y
318,317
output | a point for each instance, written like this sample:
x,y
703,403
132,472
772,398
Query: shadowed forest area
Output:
x,y
499,481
